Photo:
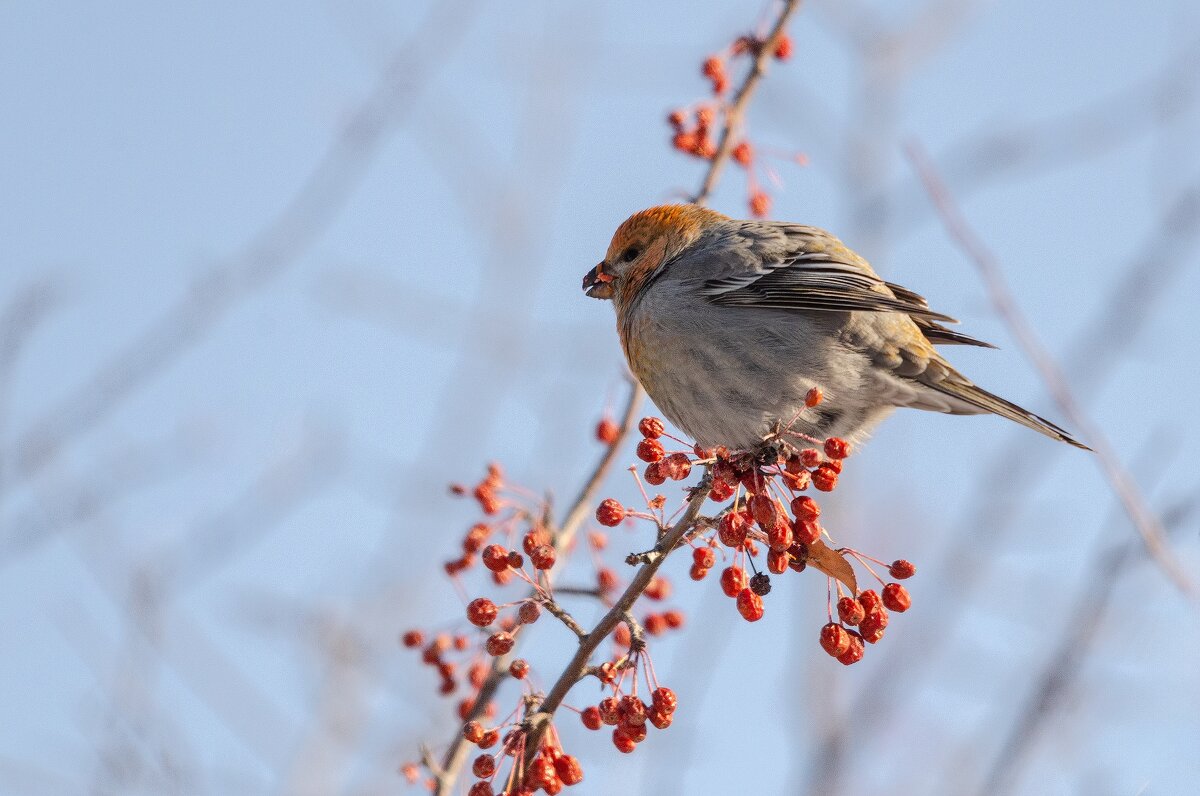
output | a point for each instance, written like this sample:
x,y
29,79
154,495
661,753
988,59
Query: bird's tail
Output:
x,y
982,399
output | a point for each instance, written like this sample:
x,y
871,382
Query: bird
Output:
x,y
729,324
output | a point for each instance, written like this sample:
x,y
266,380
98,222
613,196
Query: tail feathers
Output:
x,y
982,399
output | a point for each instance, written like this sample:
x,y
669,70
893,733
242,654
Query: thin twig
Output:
x,y
1119,478
578,666
557,611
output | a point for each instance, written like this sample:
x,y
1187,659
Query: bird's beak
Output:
x,y
598,284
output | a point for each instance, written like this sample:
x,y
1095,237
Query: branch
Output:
x,y
447,774
577,668
737,108
1002,299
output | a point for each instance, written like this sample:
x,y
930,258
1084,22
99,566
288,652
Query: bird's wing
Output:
x,y
804,268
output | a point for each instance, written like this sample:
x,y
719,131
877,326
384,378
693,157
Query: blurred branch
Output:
x,y
20,317
1081,133
1120,480
1159,258
1074,643
278,246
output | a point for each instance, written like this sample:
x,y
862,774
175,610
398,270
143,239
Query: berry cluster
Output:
x,y
771,528
692,131
550,769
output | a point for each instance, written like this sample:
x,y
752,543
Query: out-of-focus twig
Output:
x,y
1081,626
28,308
737,107
985,262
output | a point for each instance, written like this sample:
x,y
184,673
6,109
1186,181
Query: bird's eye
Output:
x,y
630,254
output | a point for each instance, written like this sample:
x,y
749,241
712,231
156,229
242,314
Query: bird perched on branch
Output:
x,y
728,324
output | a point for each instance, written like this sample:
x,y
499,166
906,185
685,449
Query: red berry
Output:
x,y
674,619
783,47
481,612
697,572
542,557
651,428
608,513
590,716
623,741
813,397
484,766
481,788
413,638
654,474
853,653
806,532
733,580
499,644
850,611
663,699
490,739
870,601
495,558
760,204
569,770
606,579
720,491
732,529
684,142
607,431
538,536
777,561
655,624
676,119
632,711
515,559
519,668
765,511
895,598
834,639
609,712
659,719
677,466
825,478
805,508
872,626
749,605
473,732
712,67
650,450
659,588
779,537
743,153
528,613
704,557
901,569
837,448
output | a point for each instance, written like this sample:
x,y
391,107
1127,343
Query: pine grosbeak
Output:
x,y
728,324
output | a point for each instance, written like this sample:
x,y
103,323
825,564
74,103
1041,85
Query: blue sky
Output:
x,y
283,472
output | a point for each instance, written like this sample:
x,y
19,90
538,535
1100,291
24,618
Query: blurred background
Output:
x,y
273,274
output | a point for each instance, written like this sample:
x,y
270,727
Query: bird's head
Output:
x,y
643,245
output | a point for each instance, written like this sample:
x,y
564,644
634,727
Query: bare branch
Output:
x,y
985,262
